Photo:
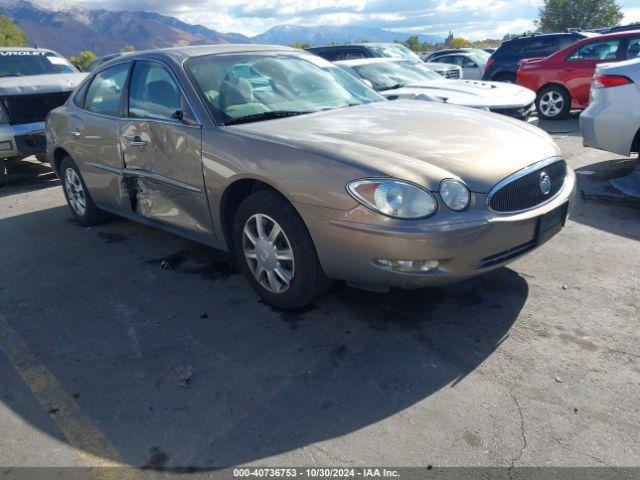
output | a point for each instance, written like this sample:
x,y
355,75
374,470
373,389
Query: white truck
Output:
x,y
33,82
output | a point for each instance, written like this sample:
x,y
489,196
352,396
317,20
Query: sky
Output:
x,y
472,19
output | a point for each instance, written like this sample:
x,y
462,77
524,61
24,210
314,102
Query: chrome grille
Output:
x,y
523,190
32,108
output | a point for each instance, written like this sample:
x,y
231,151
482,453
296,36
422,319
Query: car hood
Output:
x,y
423,142
30,84
469,93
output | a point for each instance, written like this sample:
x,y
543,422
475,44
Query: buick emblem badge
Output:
x,y
545,183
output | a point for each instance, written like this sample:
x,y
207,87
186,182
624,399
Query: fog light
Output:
x,y
407,266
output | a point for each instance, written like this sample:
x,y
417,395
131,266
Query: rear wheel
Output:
x,y
3,172
276,253
82,207
553,102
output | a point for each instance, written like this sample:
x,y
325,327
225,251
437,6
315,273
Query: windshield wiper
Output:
x,y
256,117
392,87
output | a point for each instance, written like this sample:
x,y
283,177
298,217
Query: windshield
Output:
x,y
18,63
390,75
395,51
252,87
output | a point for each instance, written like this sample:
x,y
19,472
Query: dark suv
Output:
x,y
503,64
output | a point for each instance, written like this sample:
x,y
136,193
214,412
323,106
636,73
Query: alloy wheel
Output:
x,y
268,253
551,103
75,192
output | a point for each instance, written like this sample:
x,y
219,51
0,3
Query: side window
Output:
x,y
105,92
466,62
447,59
542,46
153,93
633,51
597,50
80,95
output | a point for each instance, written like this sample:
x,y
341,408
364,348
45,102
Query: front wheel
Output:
x,y
275,252
78,197
553,103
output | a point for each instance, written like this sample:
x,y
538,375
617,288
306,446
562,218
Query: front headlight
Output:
x,y
455,194
394,198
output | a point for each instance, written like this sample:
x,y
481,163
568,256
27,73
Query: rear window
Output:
x,y
21,63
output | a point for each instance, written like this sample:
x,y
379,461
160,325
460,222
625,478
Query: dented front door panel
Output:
x,y
163,173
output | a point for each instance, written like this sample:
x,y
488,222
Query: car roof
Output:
x,y
368,61
463,53
179,54
351,45
556,34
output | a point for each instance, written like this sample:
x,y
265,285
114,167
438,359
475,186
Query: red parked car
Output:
x,y
562,80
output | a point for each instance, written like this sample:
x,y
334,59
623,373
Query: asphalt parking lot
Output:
x,y
107,358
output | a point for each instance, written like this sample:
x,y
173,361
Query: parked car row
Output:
x,y
402,79
305,172
334,53
562,80
504,62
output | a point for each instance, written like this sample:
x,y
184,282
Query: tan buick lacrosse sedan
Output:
x,y
304,172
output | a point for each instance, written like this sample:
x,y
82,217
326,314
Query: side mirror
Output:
x,y
180,116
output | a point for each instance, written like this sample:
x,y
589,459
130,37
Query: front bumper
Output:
x,y
526,113
465,244
22,140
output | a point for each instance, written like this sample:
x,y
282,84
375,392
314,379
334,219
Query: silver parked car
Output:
x,y
33,82
401,79
304,172
473,62
612,120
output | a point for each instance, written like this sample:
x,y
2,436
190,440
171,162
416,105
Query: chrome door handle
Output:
x,y
76,133
136,142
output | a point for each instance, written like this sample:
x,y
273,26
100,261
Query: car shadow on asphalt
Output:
x,y
567,127
600,205
164,347
28,175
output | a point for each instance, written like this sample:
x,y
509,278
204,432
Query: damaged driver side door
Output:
x,y
161,141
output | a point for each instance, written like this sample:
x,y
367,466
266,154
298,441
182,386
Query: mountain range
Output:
x,y
74,29
325,34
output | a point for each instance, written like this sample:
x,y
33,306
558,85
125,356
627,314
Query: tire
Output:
x,y
266,265
553,102
77,195
4,174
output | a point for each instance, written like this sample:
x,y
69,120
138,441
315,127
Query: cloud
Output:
x,y
473,19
